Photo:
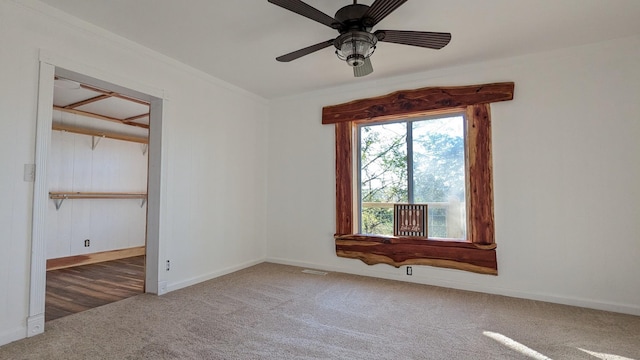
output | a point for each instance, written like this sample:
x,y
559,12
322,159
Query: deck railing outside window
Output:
x,y
444,219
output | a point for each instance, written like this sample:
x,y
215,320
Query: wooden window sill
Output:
x,y
399,251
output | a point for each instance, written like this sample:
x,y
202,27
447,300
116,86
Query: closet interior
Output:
x,y
96,219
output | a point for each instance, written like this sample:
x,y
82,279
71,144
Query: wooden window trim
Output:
x,y
476,255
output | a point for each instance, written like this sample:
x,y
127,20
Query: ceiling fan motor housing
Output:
x,y
352,17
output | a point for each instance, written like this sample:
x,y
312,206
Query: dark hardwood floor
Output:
x,y
80,288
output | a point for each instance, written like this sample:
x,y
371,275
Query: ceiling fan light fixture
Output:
x,y
355,46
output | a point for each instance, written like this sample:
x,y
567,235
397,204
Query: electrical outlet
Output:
x,y
409,271
87,243
168,265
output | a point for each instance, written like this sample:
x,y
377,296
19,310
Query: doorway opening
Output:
x,y
97,175
109,87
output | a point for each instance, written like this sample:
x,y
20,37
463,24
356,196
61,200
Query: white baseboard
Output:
x,y
162,287
630,309
198,279
13,335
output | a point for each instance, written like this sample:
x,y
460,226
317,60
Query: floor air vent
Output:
x,y
314,272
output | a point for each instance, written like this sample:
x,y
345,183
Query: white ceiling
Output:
x,y
238,41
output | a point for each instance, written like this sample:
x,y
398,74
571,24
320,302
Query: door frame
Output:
x,y
52,65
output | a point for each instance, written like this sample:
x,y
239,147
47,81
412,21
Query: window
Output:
x,y
413,161
476,252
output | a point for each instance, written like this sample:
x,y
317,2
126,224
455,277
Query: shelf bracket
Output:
x,y
95,140
144,201
58,202
145,147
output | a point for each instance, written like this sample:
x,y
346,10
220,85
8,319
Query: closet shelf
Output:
x,y
98,134
59,196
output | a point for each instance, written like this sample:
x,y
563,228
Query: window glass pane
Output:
x,y
439,174
383,175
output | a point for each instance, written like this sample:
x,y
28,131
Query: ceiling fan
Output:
x,y
356,42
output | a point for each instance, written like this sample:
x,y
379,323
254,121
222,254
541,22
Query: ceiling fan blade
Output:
x,y
380,9
305,51
307,11
431,40
364,69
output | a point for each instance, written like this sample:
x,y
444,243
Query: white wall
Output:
x,y
566,175
113,166
214,153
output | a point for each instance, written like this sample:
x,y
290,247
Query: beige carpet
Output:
x,y
273,311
